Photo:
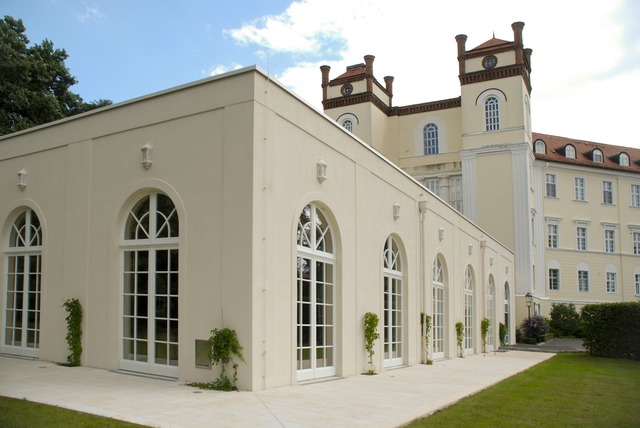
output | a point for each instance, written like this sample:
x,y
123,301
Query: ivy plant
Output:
x,y
460,335
223,346
484,329
425,330
371,321
74,331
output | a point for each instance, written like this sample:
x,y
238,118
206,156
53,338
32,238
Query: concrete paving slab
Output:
x,y
389,399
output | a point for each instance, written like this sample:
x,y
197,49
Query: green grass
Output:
x,y
16,413
568,390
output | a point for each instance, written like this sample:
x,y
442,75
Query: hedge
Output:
x,y
612,329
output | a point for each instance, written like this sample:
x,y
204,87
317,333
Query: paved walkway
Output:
x,y
389,399
555,346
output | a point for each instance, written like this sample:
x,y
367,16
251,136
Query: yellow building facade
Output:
x,y
476,152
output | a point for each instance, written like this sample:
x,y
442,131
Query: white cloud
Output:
x,y
89,11
580,58
219,69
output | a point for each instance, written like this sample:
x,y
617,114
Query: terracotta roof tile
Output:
x,y
584,149
491,45
358,70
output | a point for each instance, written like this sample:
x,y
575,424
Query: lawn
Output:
x,y
16,413
566,390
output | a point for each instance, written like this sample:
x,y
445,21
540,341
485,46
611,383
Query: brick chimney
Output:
x,y
368,60
517,41
462,40
325,80
388,80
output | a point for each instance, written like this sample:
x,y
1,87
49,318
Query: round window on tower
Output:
x,y
489,62
347,89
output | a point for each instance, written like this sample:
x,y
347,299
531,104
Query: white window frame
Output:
x,y
149,237
23,275
468,310
612,282
579,185
609,240
430,139
439,309
315,295
492,113
623,159
393,302
491,313
570,152
597,156
582,235
551,186
552,235
583,280
540,147
635,195
635,242
607,192
455,193
637,278
554,279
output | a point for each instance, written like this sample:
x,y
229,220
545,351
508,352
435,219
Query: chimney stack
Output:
x,y
517,40
325,80
368,60
388,80
462,40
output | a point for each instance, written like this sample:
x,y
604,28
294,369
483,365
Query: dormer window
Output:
x,y
596,155
540,147
570,152
623,159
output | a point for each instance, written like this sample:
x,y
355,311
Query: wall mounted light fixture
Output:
x,y
321,168
396,210
22,179
147,155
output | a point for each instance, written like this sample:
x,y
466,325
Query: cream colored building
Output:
x,y
476,152
229,202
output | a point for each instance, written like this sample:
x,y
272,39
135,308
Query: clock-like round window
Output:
x,y
489,62
347,89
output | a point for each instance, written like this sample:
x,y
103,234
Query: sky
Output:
x,y
585,62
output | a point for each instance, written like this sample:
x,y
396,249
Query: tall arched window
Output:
x,y
150,287
438,309
315,348
24,278
392,272
430,138
507,308
491,114
491,314
468,310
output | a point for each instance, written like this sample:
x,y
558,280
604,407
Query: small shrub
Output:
x,y
484,329
534,326
503,334
371,334
460,335
425,329
223,345
565,320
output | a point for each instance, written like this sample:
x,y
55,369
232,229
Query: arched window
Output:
x,y
438,318
570,152
623,159
348,125
507,307
491,314
491,114
24,278
430,138
315,301
150,286
597,156
540,147
392,272
468,310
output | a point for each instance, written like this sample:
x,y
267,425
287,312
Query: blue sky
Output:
x,y
586,60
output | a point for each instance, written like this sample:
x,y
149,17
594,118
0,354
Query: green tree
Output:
x,y
34,81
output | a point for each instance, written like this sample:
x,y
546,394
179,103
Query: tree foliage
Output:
x,y
565,320
34,81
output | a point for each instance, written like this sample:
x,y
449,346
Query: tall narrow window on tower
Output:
x,y
431,139
491,114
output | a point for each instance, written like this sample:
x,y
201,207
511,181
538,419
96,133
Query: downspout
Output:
x,y
424,347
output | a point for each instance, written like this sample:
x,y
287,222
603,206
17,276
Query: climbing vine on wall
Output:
x,y
74,331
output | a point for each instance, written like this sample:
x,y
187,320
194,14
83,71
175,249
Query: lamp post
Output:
x,y
529,299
